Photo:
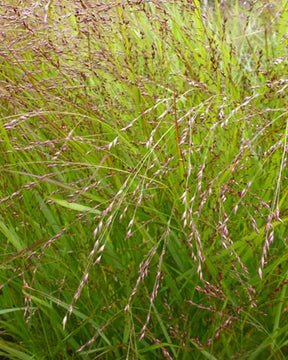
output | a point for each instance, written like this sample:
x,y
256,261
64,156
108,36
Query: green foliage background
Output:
x,y
143,183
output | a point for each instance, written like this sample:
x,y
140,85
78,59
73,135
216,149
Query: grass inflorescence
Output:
x,y
143,183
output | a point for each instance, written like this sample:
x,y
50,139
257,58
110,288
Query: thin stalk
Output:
x,y
180,158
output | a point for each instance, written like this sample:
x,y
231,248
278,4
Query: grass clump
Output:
x,y
144,180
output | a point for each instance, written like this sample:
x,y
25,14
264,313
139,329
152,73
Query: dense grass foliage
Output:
x,y
143,194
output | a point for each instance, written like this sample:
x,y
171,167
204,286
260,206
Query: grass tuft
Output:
x,y
143,187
